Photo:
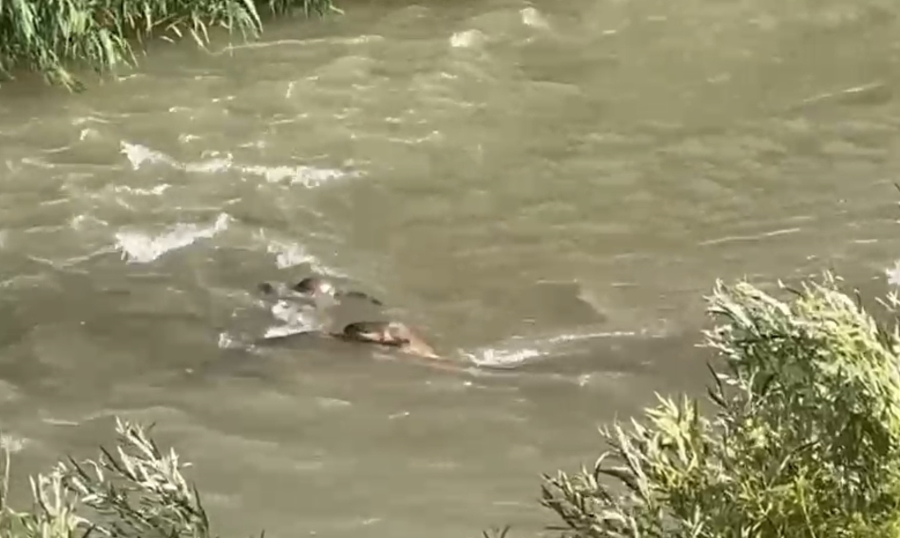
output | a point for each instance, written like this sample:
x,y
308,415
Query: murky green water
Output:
x,y
548,187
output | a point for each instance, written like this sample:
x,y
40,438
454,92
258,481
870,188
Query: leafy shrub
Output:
x,y
804,439
138,491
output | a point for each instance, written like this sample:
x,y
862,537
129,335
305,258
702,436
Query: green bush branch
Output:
x,y
52,36
135,491
804,441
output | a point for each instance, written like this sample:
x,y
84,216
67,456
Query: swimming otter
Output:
x,y
387,333
313,287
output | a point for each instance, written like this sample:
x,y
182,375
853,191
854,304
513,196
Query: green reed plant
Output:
x,y
137,490
803,437
54,36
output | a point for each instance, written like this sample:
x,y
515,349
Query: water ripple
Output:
x,y
141,247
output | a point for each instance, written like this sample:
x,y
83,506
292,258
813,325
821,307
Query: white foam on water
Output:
x,y
308,176
226,341
293,314
588,336
138,155
502,357
155,191
290,254
88,133
283,330
467,39
211,165
140,247
295,318
533,18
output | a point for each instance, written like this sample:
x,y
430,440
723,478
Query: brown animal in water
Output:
x,y
391,334
387,333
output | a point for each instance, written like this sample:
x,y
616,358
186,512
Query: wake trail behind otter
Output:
x,y
521,351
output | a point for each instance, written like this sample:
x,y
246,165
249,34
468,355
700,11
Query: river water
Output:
x,y
546,189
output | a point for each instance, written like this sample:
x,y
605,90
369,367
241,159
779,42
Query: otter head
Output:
x,y
394,334
266,288
275,290
377,332
315,286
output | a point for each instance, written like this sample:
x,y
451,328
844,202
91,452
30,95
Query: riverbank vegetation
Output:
x,y
58,37
800,438
137,490
803,437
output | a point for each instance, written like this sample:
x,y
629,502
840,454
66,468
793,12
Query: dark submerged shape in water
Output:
x,y
385,333
316,286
